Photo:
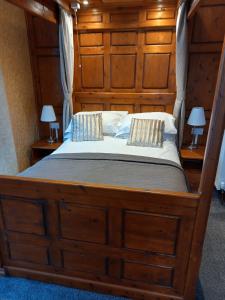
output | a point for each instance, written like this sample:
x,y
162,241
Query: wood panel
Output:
x,y
129,242
209,24
48,69
132,58
45,38
43,42
141,228
121,50
206,33
125,52
161,13
28,253
132,102
91,39
158,37
90,223
123,71
24,216
92,71
156,71
84,262
90,18
123,38
149,274
119,17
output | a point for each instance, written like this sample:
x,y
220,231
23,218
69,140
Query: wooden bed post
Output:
x,y
213,146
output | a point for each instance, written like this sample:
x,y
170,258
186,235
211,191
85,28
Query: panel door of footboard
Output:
x,y
126,242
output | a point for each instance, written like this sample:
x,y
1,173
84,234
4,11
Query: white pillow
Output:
x,y
111,122
169,120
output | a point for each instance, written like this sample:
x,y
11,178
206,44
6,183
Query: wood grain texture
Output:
x,y
110,239
138,44
206,33
37,9
43,42
194,7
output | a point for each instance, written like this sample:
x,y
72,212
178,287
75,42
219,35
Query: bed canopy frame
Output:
x,y
143,244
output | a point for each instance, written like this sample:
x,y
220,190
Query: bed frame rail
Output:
x,y
128,242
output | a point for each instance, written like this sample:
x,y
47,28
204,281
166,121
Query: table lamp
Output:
x,y
48,115
196,120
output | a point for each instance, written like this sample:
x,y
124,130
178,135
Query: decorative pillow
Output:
x,y
111,122
146,133
87,127
169,120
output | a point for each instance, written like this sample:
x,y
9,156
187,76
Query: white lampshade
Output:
x,y
197,117
48,114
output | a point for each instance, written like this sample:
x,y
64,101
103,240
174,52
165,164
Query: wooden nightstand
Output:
x,y
41,149
192,163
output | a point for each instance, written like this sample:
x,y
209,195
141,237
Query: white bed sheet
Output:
x,y
119,146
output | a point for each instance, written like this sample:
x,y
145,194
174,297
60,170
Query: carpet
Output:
x,y
212,273
12,288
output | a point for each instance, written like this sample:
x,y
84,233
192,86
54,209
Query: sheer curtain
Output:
x,y
181,67
66,50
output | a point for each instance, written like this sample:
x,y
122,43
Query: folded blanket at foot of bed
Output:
x,y
113,169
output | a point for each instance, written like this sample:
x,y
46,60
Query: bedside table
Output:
x,y
192,161
41,149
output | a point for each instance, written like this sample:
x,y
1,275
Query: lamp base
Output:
x,y
194,143
50,141
192,147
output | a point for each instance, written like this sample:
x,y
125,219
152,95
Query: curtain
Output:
x,y
66,50
181,68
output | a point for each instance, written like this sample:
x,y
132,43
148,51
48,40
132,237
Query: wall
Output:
x,y
126,62
127,56
18,127
206,34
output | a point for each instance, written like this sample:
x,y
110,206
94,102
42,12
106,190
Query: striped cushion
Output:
x,y
146,133
87,127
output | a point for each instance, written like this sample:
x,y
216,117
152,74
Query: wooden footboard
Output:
x,y
114,240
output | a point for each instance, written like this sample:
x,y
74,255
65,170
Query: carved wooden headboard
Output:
x,y
133,103
125,59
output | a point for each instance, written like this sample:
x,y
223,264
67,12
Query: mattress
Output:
x,y
112,162
119,146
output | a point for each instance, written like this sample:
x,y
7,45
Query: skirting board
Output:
x,y
85,284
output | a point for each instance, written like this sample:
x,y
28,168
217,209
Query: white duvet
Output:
x,y
119,146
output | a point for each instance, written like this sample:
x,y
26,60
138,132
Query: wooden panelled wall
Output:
x,y
206,33
44,52
127,60
124,60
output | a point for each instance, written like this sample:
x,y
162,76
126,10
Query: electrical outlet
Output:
x,y
54,125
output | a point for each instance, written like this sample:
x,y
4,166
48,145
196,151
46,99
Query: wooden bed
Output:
x,y
136,243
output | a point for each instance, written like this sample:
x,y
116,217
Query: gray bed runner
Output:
x,y
113,169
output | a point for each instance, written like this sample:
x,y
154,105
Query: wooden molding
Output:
x,y
194,7
64,4
37,9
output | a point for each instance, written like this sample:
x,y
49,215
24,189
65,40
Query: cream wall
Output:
x,y
18,119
